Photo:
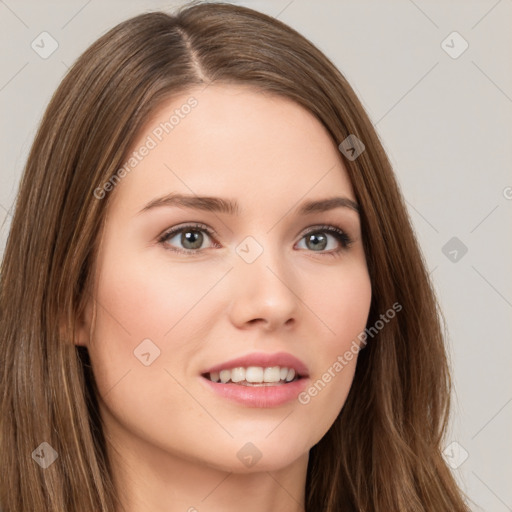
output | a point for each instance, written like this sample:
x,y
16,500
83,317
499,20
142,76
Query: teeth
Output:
x,y
237,374
225,375
272,374
254,374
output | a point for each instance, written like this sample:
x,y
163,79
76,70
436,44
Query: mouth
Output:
x,y
255,376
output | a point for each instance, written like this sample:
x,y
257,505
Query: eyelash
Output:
x,y
339,234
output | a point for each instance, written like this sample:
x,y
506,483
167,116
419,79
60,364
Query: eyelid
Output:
x,y
191,225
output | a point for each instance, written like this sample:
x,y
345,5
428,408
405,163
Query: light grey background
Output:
x,y
446,124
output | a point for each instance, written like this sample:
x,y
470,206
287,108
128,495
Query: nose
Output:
x,y
264,293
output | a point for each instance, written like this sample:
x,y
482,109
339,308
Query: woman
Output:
x,y
211,295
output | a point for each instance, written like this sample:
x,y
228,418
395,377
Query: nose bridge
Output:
x,y
263,282
260,259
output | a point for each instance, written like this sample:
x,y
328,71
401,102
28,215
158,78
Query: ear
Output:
x,y
84,324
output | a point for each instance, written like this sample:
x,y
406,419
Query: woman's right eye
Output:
x,y
186,239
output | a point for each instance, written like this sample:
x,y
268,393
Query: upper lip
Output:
x,y
282,359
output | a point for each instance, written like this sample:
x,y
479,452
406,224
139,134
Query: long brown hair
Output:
x,y
383,452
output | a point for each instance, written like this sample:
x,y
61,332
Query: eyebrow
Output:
x,y
231,207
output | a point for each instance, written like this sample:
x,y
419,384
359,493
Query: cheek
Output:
x,y
342,303
145,335
153,300
151,309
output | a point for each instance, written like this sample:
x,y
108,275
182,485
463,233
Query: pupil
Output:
x,y
319,241
194,239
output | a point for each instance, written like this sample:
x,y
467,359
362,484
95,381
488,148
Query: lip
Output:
x,y
283,359
258,396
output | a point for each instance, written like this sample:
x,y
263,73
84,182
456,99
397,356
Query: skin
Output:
x,y
173,443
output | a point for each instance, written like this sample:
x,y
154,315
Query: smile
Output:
x,y
254,375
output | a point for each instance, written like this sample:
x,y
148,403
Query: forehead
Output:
x,y
233,140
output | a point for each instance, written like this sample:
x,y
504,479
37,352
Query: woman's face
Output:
x,y
269,276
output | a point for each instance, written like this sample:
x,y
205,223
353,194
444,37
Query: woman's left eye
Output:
x,y
317,239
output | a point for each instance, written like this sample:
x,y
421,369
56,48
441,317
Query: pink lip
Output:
x,y
259,396
265,360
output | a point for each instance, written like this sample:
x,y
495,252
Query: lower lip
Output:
x,y
259,396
